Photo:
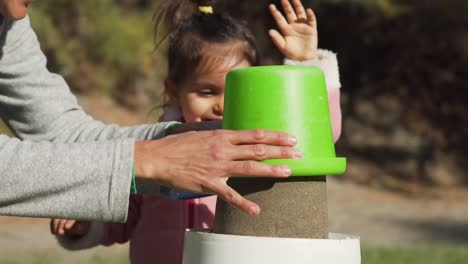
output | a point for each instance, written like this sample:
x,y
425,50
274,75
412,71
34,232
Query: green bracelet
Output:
x,y
133,188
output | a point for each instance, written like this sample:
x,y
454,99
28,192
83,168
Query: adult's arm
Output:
x,y
38,105
79,181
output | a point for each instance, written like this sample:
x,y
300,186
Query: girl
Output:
x,y
212,44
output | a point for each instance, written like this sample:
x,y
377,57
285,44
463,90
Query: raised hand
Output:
x,y
297,37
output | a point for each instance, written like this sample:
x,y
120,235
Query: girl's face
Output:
x,y
14,9
202,97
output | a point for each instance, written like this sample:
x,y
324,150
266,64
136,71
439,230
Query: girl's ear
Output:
x,y
171,91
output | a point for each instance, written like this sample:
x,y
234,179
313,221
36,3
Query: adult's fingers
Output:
x,y
289,11
262,152
251,168
231,196
261,136
281,22
300,11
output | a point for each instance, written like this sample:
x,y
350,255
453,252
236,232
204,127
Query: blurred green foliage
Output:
x,y
97,45
403,68
411,53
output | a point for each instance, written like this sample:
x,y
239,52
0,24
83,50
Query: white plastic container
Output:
x,y
210,248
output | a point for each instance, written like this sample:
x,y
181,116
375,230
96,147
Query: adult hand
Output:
x,y
69,227
298,39
203,161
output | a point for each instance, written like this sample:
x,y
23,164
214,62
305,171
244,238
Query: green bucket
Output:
x,y
291,99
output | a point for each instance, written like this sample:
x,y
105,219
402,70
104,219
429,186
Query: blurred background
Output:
x,y
404,75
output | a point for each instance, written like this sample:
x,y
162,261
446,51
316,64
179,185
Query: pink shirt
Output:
x,y
156,227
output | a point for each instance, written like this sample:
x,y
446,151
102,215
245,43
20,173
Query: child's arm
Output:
x,y
122,232
298,41
328,63
78,235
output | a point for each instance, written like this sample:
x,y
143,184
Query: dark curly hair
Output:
x,y
196,37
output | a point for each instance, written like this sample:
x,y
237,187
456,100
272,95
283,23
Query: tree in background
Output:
x,y
404,74
101,46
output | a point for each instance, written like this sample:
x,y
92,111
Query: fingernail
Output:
x,y
292,140
297,153
286,171
254,210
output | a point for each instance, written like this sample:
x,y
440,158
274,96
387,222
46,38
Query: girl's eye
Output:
x,y
205,92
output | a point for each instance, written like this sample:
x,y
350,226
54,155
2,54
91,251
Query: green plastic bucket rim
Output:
x,y
312,167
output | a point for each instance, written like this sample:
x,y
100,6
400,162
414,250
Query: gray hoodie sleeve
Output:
x,y
38,105
69,176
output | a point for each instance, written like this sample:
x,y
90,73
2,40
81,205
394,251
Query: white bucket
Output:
x,y
210,248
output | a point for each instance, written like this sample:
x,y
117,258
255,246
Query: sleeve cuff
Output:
x,y
327,62
146,186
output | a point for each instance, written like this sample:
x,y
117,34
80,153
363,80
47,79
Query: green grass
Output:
x,y
40,258
47,258
428,254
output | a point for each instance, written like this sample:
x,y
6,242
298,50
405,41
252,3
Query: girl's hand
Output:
x,y
69,227
298,39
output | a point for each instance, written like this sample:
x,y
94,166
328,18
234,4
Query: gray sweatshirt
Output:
x,y
64,164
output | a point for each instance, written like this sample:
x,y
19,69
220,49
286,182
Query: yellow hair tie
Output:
x,y
206,9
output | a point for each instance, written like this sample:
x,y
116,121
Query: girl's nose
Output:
x,y
218,108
